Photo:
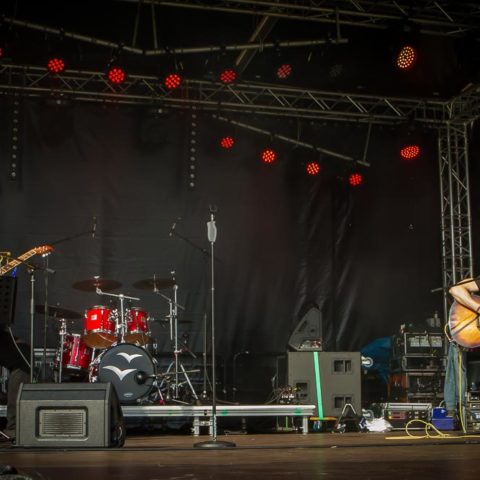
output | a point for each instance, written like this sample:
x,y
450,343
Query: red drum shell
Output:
x,y
99,327
137,328
77,355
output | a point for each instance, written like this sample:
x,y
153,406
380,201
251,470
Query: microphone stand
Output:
x,y
213,443
206,254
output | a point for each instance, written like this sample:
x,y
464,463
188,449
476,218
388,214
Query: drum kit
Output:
x,y
114,346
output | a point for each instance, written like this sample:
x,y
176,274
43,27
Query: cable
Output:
x,y
427,425
460,392
17,347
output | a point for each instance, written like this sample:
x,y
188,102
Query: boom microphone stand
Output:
x,y
213,443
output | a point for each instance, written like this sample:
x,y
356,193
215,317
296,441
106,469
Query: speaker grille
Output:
x,y
68,423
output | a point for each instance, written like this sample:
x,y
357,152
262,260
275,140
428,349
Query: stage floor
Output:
x,y
264,456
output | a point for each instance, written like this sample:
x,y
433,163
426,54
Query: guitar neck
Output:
x,y
16,261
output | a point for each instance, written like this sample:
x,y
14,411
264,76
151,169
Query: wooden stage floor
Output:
x,y
264,456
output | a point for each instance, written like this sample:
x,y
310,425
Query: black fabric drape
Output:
x,y
366,257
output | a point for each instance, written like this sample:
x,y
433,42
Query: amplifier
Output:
x,y
399,414
419,344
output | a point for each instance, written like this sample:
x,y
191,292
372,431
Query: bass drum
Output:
x,y
129,368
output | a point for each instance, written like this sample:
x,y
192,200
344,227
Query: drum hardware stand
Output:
x,y
213,443
122,298
173,318
63,331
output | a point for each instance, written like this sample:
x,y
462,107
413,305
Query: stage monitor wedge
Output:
x,y
69,415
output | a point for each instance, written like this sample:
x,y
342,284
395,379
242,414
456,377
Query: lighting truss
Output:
x,y
247,98
457,257
432,17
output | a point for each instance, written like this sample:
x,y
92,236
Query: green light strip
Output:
x,y
318,385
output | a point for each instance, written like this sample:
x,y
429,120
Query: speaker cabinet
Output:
x,y
69,415
338,380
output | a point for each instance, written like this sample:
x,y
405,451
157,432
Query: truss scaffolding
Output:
x,y
260,99
456,226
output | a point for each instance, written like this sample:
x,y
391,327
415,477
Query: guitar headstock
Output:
x,y
43,250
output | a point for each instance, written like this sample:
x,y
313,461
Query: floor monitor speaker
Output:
x,y
69,415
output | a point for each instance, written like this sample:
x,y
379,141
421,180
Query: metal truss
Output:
x,y
457,257
264,99
431,17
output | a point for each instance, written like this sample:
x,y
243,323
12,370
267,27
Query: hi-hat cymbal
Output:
x,y
58,312
92,284
154,284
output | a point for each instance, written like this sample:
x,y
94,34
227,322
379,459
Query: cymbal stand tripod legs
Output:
x,y
177,364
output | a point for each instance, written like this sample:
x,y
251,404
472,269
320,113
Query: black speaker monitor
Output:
x,y
69,415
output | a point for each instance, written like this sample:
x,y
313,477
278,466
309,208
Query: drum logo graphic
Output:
x,y
121,374
129,368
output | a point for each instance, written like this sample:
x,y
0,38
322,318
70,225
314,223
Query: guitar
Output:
x,y
43,250
464,324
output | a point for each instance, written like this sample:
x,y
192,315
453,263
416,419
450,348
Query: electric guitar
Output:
x,y
43,250
464,324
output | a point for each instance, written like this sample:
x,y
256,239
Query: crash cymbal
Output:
x,y
58,312
154,284
91,285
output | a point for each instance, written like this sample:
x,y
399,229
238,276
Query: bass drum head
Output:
x,y
127,367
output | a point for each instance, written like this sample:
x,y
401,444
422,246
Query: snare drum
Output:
x,y
76,355
99,327
137,328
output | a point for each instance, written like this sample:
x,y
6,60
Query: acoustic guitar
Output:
x,y
43,250
464,324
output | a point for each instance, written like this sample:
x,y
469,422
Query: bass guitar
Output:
x,y
464,324
43,250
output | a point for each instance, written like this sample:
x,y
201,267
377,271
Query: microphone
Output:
x,y
94,229
211,227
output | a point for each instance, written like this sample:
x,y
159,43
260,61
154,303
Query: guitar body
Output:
x,y
464,325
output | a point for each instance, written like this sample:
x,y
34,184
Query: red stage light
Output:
x,y
1,52
56,65
407,57
228,76
227,142
410,152
173,81
268,156
284,71
116,75
355,179
313,168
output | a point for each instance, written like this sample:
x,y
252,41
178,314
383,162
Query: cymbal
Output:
x,y
58,312
92,284
154,284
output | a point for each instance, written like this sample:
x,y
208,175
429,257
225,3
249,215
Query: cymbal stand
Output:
x,y
122,327
173,318
63,332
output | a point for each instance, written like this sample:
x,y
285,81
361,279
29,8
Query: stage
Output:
x,y
281,455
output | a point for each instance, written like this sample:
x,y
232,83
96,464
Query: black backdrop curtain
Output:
x,y
367,257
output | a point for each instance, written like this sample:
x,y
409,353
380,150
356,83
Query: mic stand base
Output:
x,y
212,444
